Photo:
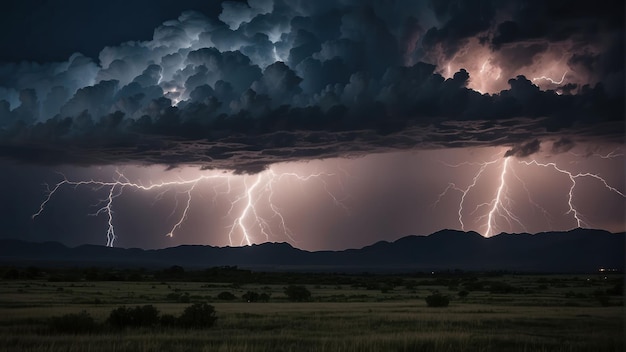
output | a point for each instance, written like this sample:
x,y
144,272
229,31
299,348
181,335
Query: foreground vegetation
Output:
x,y
139,310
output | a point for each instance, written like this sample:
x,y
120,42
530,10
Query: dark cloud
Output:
x,y
524,150
271,81
562,145
460,20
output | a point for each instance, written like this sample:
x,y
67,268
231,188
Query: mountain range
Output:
x,y
578,250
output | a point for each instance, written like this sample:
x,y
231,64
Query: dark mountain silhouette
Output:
x,y
579,250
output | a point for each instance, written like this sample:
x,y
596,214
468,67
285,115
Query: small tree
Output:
x,y
297,293
198,315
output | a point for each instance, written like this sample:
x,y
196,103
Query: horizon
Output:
x,y
324,250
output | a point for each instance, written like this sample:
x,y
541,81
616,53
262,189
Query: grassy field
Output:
x,y
500,313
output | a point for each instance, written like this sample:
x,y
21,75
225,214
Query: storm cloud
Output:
x,y
272,81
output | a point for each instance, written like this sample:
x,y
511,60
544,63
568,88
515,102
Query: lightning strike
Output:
x,y
500,208
551,80
245,207
570,195
466,190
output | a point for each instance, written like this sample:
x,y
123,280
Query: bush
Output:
x,y
198,315
123,317
226,296
437,300
250,296
297,293
178,297
75,323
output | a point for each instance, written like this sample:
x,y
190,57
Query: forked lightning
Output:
x,y
248,223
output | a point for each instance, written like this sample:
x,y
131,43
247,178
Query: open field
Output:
x,y
346,313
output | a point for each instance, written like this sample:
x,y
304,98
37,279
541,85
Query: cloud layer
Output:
x,y
272,81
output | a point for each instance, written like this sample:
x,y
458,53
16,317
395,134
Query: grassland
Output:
x,y
356,313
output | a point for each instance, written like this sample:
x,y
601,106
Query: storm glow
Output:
x,y
489,194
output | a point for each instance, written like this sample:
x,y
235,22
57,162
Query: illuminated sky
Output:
x,y
325,124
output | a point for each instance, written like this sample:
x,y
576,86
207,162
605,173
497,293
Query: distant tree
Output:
x,y
297,293
198,315
463,293
437,300
226,296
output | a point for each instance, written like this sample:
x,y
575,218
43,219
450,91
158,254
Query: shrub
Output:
x,y
250,296
198,315
178,297
437,300
297,293
226,296
75,323
123,317
463,293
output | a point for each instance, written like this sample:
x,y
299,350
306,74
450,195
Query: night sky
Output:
x,y
325,124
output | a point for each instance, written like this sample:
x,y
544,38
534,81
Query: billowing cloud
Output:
x,y
271,81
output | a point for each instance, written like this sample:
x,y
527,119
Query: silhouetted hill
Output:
x,y
579,250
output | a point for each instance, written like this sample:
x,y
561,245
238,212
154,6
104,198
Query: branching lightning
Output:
x,y
570,195
490,215
244,207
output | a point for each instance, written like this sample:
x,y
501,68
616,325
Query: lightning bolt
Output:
x,y
551,80
247,220
500,207
501,204
466,190
570,195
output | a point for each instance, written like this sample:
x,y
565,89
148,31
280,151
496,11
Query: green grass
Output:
x,y
341,317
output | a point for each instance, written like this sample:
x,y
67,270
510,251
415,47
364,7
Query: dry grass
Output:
x,y
367,320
